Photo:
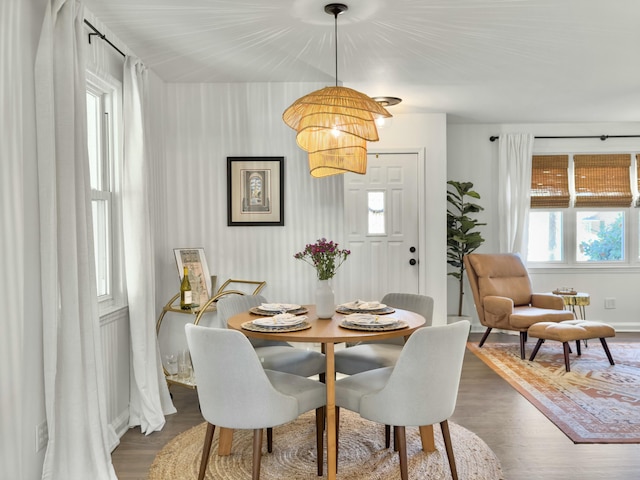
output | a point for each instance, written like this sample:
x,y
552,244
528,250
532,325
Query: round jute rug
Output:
x,y
362,455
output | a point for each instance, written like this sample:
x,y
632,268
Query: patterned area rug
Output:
x,y
362,455
593,403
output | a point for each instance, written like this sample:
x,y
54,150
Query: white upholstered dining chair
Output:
x,y
280,356
369,355
420,390
236,392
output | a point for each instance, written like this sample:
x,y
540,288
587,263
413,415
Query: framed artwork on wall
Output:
x,y
255,191
195,260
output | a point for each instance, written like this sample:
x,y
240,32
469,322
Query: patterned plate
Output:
x,y
291,328
346,311
267,313
278,307
373,328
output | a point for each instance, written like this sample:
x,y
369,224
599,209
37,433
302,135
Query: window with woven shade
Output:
x,y
550,181
602,180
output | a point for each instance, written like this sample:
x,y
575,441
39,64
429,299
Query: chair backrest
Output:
x,y
420,304
231,305
233,388
499,274
423,387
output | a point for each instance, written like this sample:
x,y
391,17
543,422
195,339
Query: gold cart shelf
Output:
x,y
173,306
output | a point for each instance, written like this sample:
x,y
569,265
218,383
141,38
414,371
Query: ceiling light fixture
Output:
x,y
335,123
382,122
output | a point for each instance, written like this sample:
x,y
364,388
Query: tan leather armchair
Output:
x,y
504,298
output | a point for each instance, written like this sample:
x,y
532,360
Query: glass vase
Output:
x,y
325,299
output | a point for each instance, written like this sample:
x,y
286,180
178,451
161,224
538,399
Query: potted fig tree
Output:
x,y
463,236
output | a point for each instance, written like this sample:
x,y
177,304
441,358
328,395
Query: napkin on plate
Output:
x,y
365,319
278,307
362,305
280,320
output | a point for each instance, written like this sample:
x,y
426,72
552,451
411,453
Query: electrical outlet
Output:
x,y
609,303
42,436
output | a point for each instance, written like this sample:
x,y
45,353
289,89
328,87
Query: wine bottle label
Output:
x,y
187,297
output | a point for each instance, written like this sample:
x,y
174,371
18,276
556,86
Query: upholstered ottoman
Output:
x,y
569,331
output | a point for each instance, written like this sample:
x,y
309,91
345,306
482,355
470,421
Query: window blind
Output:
x,y
550,181
602,180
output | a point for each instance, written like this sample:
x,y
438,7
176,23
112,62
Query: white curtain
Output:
x,y
149,399
79,436
11,240
514,190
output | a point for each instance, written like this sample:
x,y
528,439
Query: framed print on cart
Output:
x,y
255,191
196,262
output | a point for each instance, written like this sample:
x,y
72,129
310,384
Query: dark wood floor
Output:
x,y
528,445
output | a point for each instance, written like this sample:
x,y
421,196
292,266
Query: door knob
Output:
x,y
412,249
413,261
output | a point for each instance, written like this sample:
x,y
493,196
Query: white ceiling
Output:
x,y
494,61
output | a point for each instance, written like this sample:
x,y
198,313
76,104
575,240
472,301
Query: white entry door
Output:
x,y
381,215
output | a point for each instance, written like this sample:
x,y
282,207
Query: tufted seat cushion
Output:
x,y
571,330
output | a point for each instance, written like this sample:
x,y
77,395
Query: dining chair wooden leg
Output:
x,y
401,443
206,450
337,436
320,438
395,439
269,439
578,351
446,436
387,436
257,453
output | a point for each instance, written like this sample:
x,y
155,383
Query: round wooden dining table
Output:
x,y
328,332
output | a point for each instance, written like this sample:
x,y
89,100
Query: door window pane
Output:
x,y
545,236
375,203
599,236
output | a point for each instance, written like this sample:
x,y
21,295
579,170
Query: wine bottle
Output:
x,y
186,298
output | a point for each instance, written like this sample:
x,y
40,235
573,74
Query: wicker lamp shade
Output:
x,y
333,125
339,160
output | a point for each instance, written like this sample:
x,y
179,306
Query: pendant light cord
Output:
x,y
335,17
336,9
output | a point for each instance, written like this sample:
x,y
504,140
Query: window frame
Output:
x,y
110,92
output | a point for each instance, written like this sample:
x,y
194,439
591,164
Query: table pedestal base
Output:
x,y
426,436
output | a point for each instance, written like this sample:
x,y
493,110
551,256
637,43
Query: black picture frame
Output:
x,y
255,191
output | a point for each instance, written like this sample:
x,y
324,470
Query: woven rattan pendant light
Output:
x,y
334,124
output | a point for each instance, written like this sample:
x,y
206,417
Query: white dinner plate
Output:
x,y
278,307
365,319
360,305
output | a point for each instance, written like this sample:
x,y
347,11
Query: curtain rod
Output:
x,y
601,137
103,37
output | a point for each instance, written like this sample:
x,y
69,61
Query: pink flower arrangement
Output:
x,y
325,256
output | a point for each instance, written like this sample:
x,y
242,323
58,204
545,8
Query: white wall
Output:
x,y
472,157
427,133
